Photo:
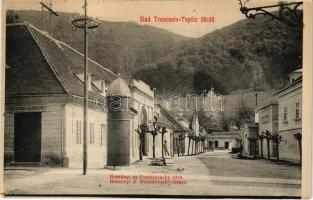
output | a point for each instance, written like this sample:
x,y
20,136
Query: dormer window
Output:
x,y
100,85
80,76
103,88
293,76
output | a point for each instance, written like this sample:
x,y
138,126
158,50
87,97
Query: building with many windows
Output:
x,y
44,101
289,117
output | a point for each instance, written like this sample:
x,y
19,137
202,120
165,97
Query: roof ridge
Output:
x,y
173,118
299,80
16,24
267,102
49,61
71,48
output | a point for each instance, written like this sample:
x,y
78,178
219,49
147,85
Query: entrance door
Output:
x,y
216,144
226,145
210,144
27,137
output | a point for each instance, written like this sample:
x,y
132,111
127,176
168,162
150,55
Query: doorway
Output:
x,y
27,137
210,144
216,144
226,145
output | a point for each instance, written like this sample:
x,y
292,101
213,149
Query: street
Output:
x,y
210,173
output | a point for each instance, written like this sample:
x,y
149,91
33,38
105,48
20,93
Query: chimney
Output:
x,y
103,89
89,81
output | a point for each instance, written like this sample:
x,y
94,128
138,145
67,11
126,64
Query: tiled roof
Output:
x,y
28,72
273,101
171,119
224,133
64,61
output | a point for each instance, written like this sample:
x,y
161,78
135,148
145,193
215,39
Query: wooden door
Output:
x,y
226,145
27,137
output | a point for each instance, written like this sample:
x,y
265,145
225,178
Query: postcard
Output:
x,y
156,98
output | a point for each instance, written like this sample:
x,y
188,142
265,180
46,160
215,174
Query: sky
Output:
x,y
225,12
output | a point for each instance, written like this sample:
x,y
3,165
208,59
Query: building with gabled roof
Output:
x,y
290,117
44,104
44,96
178,133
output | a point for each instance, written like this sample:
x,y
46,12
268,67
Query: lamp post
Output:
x,y
85,23
288,13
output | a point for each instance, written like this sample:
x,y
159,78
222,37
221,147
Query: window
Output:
x,y
222,104
102,134
285,114
78,132
91,133
298,110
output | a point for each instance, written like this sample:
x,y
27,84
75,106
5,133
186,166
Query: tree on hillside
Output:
x,y
225,122
12,18
242,114
205,81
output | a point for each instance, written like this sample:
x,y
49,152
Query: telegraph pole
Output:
x,y
50,4
85,23
51,12
41,15
85,91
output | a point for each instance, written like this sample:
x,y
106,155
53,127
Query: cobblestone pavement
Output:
x,y
210,173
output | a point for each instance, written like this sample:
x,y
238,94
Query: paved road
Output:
x,y
211,173
221,164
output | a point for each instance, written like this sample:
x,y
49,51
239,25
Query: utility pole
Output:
x,y
41,15
85,91
51,12
50,4
85,23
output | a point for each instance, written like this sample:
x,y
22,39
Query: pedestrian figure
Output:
x,y
165,148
